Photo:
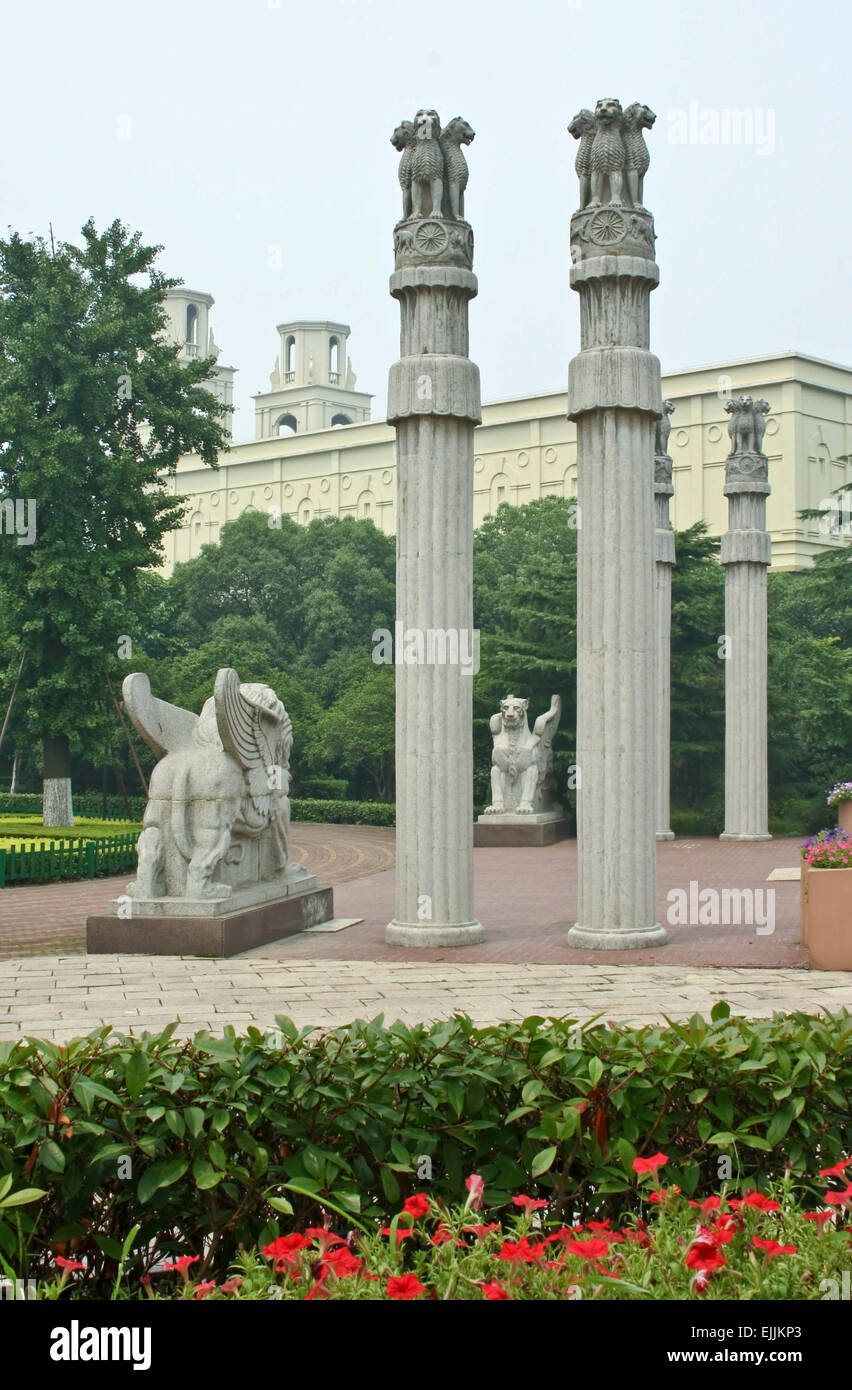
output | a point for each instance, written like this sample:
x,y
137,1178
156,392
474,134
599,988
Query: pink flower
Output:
x,y
68,1265
204,1287
475,1192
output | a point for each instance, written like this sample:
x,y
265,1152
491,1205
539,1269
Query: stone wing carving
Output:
x,y
547,724
164,727
251,729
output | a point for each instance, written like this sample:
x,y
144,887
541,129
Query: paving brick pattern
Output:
x,y
57,997
526,899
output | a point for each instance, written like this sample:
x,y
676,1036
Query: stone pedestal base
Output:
x,y
665,834
732,835
632,940
221,934
540,828
421,934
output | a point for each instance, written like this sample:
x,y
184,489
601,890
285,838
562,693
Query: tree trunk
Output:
x,y
57,808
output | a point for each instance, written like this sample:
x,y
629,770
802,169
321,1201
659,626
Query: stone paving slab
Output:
x,y
144,994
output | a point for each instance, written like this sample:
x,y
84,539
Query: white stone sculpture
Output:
x,y
614,395
217,822
434,404
665,558
746,553
522,759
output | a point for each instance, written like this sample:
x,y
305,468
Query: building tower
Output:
x,y
188,313
313,384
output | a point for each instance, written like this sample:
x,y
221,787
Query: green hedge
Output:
x,y
344,812
85,804
201,1138
302,808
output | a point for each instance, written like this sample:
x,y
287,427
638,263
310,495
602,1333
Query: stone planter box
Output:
x,y
844,816
827,917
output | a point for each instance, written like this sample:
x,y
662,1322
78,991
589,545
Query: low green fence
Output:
x,y
67,859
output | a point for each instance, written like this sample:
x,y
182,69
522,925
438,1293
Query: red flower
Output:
x,y
592,1249
404,1286
68,1264
839,1199
649,1165
181,1264
204,1287
342,1262
482,1231
639,1237
709,1204
326,1238
416,1206
402,1232
819,1216
494,1292
475,1192
443,1234
663,1193
701,1281
529,1203
520,1250
284,1250
837,1171
597,1225
759,1202
704,1255
772,1247
231,1285
718,1234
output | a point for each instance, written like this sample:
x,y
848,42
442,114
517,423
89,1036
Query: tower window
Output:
x,y
340,419
290,359
286,424
334,361
192,329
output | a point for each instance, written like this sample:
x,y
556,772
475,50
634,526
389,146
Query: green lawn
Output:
x,y
20,830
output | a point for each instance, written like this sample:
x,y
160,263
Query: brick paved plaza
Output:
x,y
49,988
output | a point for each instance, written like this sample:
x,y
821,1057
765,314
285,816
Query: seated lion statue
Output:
x,y
522,761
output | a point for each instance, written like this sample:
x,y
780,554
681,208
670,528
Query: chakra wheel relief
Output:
x,y
607,227
431,238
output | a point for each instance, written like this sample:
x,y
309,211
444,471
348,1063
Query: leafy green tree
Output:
x,y
357,733
697,672
95,411
525,604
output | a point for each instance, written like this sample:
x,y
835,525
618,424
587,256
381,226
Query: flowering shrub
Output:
x,y
830,849
724,1247
214,1144
841,791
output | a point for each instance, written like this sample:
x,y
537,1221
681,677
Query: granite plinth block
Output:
x,y
224,935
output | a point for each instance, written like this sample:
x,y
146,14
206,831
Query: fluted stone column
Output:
x,y
614,395
665,558
746,553
434,402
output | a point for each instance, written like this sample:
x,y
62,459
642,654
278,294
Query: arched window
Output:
x,y
366,507
499,491
286,424
333,361
192,325
290,359
340,419
305,511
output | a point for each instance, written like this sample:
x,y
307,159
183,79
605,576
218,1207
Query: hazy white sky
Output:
x,y
224,128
